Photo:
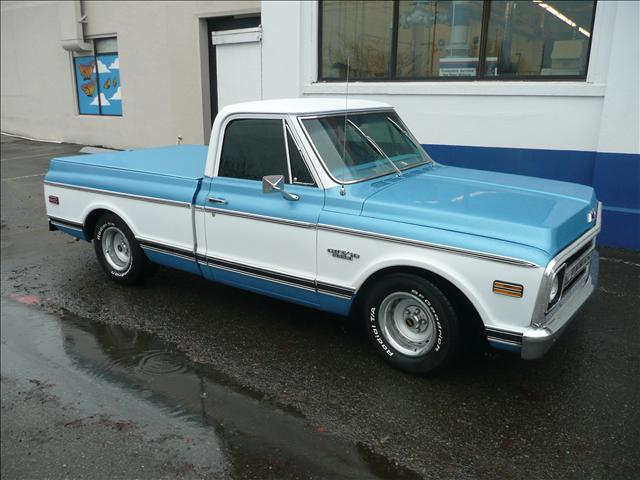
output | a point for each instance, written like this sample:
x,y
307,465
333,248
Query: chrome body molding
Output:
x,y
61,222
432,246
504,337
162,201
254,216
376,236
540,313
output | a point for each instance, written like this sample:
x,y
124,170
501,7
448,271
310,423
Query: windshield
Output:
x,y
356,157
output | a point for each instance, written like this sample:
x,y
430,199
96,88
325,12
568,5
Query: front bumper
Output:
x,y
536,341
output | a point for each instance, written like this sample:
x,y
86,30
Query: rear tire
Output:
x,y
411,323
119,253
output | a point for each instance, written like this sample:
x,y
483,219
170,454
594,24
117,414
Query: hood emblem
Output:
x,y
592,216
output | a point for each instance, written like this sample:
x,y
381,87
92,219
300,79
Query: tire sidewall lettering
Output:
x,y
98,238
380,339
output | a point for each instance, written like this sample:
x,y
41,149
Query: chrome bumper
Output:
x,y
536,341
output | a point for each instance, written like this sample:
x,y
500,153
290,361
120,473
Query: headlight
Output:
x,y
555,292
555,288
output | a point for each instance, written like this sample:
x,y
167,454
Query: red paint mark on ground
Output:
x,y
27,299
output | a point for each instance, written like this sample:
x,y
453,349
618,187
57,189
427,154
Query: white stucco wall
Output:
x,y
163,52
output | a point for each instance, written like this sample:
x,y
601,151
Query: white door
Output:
x,y
238,65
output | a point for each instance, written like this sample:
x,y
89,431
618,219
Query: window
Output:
x,y
299,171
365,146
454,39
97,74
254,148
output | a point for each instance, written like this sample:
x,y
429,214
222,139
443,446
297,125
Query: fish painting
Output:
x,y
88,88
86,69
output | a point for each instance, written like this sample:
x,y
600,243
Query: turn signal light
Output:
x,y
508,289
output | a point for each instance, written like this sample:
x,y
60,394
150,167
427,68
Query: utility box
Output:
x,y
568,54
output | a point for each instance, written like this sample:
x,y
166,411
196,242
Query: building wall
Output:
x,y
163,59
585,132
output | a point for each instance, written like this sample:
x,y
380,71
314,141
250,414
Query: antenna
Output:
x,y
344,136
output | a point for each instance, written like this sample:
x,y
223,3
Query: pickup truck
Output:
x,y
336,206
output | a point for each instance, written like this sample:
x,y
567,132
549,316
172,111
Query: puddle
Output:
x,y
252,436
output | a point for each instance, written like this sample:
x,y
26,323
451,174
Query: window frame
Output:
x,y
93,55
286,128
480,72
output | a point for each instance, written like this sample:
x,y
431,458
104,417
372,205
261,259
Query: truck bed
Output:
x,y
170,173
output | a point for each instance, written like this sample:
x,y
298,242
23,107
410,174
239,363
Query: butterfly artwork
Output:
x,y
107,84
86,69
88,88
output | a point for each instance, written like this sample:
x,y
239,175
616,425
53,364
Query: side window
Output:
x,y
253,148
299,171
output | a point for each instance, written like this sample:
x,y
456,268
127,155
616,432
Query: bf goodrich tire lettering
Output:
x,y
119,253
411,323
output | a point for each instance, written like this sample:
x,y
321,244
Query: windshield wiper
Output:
x,y
408,135
376,147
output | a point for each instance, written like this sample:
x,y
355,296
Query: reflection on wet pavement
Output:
x,y
255,436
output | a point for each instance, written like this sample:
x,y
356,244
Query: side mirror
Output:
x,y
275,183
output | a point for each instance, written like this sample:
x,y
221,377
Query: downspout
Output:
x,y
71,20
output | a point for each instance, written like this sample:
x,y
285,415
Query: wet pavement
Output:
x,y
186,378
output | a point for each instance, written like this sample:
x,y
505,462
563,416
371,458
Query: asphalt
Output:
x,y
183,378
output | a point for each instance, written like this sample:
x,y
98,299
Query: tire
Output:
x,y
119,253
412,324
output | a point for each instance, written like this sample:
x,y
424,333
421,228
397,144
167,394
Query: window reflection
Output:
x,y
438,38
424,39
360,31
531,38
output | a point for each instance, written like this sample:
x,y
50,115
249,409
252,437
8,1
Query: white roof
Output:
x,y
301,106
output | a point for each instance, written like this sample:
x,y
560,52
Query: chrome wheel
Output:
x,y
116,248
407,324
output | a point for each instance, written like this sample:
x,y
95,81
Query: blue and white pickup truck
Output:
x,y
338,207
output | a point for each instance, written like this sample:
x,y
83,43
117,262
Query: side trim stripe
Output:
x,y
294,223
433,246
120,194
162,248
263,218
66,223
504,336
298,282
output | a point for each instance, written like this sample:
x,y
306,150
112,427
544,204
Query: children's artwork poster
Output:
x,y
98,85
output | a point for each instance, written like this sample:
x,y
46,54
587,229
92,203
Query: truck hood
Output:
x,y
540,213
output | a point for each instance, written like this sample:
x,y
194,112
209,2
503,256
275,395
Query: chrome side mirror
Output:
x,y
275,183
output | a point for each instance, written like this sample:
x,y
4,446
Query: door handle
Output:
x,y
221,201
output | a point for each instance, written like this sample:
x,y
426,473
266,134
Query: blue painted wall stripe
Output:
x,y
614,176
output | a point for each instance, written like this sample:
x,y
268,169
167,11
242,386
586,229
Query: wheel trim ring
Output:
x,y
397,333
116,249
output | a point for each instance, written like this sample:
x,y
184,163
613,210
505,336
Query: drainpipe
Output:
x,y
71,20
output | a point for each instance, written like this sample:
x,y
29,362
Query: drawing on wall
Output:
x,y
98,85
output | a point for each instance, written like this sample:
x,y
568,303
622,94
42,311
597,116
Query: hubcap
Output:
x,y
115,247
407,324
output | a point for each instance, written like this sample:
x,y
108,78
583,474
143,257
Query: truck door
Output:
x,y
263,242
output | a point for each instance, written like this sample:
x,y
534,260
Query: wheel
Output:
x,y
119,253
412,323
